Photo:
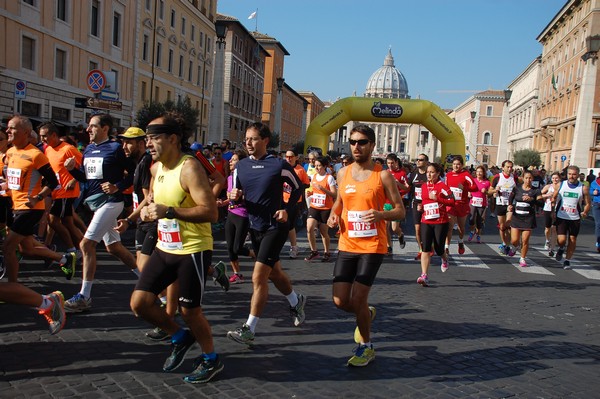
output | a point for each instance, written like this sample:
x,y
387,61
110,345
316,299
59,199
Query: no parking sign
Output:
x,y
20,89
96,81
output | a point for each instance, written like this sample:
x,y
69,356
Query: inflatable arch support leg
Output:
x,y
387,110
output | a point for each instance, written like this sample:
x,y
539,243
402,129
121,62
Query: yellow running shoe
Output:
x,y
363,355
357,337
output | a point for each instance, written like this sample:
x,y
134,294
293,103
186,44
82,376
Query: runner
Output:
x,y
393,165
478,204
107,173
550,193
416,179
502,185
183,206
572,195
595,191
358,211
461,183
522,203
259,178
324,192
437,198
237,225
292,157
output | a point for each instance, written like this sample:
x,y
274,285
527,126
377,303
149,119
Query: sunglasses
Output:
x,y
360,142
421,160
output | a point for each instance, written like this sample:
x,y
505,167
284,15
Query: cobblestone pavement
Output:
x,y
484,329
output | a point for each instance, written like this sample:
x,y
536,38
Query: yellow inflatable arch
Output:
x,y
387,110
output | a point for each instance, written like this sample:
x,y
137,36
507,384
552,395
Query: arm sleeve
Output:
x,y
50,180
129,168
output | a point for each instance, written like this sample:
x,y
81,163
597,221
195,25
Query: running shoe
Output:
x,y
401,241
423,280
598,247
297,311
312,256
363,355
68,268
418,257
2,268
502,249
236,279
78,303
471,235
522,262
55,314
567,265
179,351
511,251
357,337
478,238
326,257
157,334
547,246
242,335
444,266
205,370
559,254
551,253
221,277
461,248
293,252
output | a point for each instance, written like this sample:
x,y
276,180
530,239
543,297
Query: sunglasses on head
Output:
x,y
360,142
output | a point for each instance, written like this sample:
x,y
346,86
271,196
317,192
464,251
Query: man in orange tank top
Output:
x,y
358,211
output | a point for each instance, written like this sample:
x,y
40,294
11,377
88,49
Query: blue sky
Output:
x,y
446,49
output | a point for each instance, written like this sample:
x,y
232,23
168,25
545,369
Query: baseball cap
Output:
x,y
196,146
133,133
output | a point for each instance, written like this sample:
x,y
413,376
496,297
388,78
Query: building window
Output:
x,y
60,114
156,93
61,10
487,138
148,5
95,22
190,69
144,89
168,95
116,86
208,39
28,53
145,48
192,33
201,41
158,54
489,110
161,9
93,65
170,64
182,26
181,66
60,70
30,109
172,18
30,2
199,78
116,29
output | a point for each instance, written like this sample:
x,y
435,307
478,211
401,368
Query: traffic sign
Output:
x,y
563,158
91,102
20,89
96,81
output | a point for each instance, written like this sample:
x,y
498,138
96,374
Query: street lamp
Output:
x,y
216,122
507,94
473,115
278,110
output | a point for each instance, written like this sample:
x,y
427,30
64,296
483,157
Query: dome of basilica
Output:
x,y
387,81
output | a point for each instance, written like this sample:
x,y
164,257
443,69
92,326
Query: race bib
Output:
x,y
431,211
522,208
169,235
477,201
457,193
136,201
93,168
357,228
569,209
418,191
13,177
503,197
318,200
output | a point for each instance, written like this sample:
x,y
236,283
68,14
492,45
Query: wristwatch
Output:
x,y
170,214
39,197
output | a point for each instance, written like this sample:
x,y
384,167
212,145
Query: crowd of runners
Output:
x,y
175,195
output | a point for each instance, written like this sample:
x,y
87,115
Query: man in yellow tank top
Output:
x,y
184,206
358,211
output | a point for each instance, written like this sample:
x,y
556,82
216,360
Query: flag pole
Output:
x,y
256,21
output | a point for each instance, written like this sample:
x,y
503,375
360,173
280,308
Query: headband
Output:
x,y
161,128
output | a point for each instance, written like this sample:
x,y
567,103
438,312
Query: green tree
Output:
x,y
150,111
526,158
274,142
